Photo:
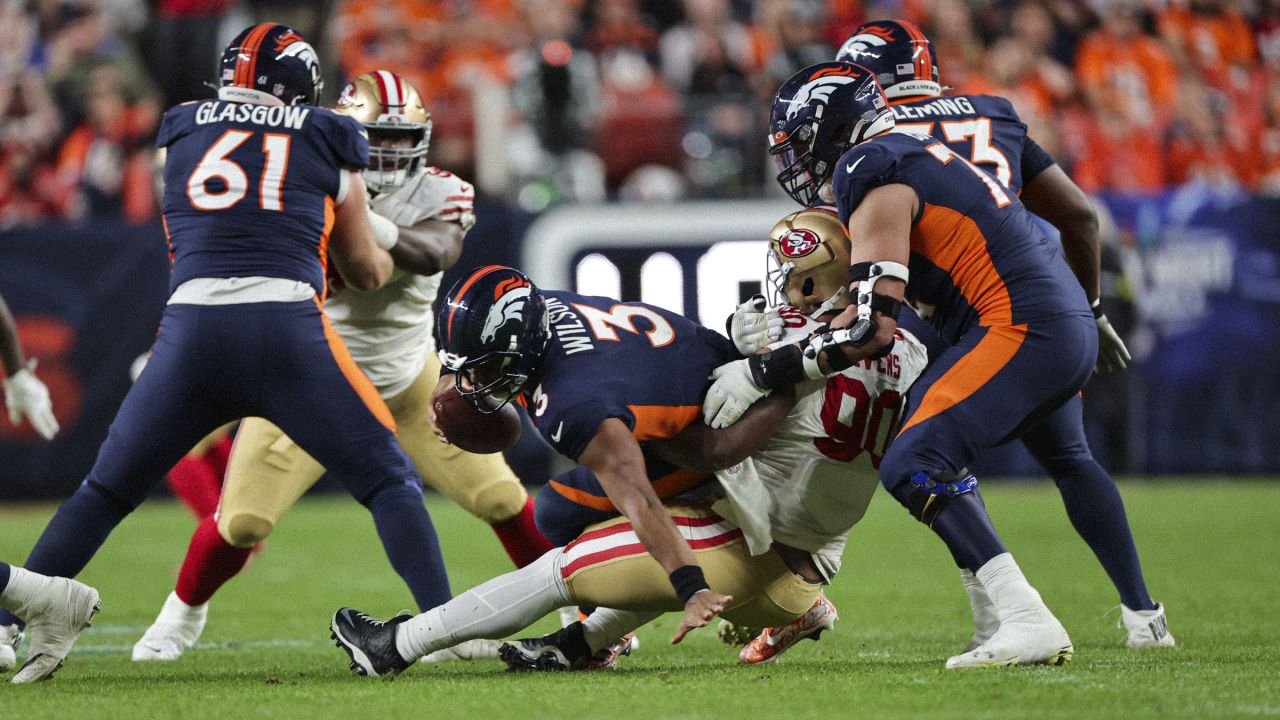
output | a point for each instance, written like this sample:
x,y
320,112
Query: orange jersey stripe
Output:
x,y
664,487
324,246
953,242
365,389
970,372
583,497
659,422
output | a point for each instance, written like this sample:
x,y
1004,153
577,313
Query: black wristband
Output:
x,y
688,581
777,368
1096,306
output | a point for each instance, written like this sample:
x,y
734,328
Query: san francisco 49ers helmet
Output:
x,y
398,124
493,332
818,114
901,57
809,258
267,61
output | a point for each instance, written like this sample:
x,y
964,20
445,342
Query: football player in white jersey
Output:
x,y
421,214
771,543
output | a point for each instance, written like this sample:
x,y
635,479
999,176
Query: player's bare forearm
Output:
x,y
1053,196
614,456
10,350
363,265
699,447
429,247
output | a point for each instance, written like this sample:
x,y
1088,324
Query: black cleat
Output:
x,y
540,654
371,644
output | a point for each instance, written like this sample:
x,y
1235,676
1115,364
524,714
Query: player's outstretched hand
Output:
x,y
1113,356
24,394
753,326
732,393
699,611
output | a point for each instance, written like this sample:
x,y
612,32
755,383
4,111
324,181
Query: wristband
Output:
x,y
385,232
778,368
688,581
1097,309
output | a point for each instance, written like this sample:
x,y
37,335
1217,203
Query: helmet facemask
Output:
x,y
395,154
798,175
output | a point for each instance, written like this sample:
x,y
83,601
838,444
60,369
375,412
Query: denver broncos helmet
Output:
x,y
390,109
493,332
809,262
270,60
818,114
901,57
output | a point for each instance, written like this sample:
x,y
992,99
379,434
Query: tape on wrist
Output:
x,y
385,232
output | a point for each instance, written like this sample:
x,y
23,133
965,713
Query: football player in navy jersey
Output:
x,y
262,188
1022,337
987,131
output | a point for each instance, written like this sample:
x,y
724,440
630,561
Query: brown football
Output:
x,y
472,430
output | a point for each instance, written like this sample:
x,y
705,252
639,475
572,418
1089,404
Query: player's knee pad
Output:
x,y
244,530
499,502
926,495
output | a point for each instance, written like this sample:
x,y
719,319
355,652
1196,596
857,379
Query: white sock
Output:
x,y
1008,588
504,605
23,587
605,626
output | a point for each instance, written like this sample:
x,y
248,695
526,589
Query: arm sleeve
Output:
x,y
1035,160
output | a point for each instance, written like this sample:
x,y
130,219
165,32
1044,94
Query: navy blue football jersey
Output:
x,y
983,129
644,365
977,255
249,189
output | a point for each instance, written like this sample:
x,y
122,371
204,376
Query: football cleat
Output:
x,y
607,657
176,630
10,639
1147,628
466,650
371,644
55,619
776,640
1025,639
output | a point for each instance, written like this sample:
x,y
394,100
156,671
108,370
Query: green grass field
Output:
x,y
1209,550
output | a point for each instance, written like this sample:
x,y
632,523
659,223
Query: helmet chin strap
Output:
x,y
828,304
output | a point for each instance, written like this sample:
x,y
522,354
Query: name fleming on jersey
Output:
x,y
290,116
941,106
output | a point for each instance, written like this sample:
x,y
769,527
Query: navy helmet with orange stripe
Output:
x,y
493,332
270,60
818,114
901,57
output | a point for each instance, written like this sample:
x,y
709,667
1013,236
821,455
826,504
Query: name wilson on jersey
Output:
x,y
568,327
290,116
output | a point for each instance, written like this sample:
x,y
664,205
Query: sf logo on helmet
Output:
x,y
508,308
861,44
798,242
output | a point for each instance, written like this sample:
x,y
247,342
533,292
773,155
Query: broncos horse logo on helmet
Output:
x,y
493,333
900,56
270,62
817,115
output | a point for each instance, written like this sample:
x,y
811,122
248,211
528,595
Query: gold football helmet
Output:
x,y
809,262
399,126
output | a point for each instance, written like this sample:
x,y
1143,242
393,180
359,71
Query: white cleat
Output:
x,y
10,639
466,650
55,618
1147,628
176,630
1027,639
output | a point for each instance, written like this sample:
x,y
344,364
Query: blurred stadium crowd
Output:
x,y
583,100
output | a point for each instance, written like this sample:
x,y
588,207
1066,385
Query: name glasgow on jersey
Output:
x,y
568,327
290,116
941,106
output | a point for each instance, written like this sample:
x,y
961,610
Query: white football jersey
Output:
x,y
389,330
820,466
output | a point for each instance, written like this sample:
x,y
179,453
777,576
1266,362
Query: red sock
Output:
x,y
520,537
197,483
219,455
210,562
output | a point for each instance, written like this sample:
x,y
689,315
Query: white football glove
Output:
x,y
754,327
1113,356
732,393
24,394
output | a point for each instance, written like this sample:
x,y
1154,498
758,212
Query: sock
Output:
x,y
500,607
985,620
4,577
20,587
965,527
606,626
196,482
209,564
520,537
73,536
1096,511
1008,588
410,541
571,640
